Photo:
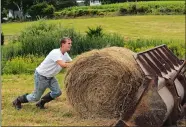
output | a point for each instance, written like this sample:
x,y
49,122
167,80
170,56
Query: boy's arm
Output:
x,y
63,64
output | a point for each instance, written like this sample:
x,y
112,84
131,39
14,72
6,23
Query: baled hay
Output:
x,y
100,82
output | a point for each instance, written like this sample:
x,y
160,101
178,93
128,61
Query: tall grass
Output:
x,y
19,65
28,63
11,50
40,38
86,43
178,48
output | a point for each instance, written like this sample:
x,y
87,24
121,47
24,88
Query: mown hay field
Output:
x,y
166,27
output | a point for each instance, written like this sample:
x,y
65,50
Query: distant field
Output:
x,y
166,27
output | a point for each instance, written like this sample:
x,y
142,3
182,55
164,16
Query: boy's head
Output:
x,y
66,43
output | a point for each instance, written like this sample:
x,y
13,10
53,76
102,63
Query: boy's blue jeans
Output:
x,y
41,83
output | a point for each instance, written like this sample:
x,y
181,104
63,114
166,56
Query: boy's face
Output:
x,y
67,46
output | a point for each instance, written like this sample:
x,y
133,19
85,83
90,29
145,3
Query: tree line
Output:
x,y
34,7
45,8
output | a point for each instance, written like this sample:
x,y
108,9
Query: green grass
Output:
x,y
58,112
165,27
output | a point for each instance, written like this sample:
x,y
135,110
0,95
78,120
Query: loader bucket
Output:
x,y
161,97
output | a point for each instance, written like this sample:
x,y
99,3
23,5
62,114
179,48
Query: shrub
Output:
x,y
132,9
61,4
93,12
80,12
143,9
49,11
95,32
123,11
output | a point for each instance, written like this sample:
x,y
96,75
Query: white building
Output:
x,y
15,14
92,2
80,2
95,3
10,14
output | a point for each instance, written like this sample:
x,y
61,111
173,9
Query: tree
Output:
x,y
87,2
60,4
20,5
24,5
113,1
4,13
41,10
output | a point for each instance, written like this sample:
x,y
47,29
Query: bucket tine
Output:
x,y
166,59
157,62
172,55
157,70
146,68
178,72
165,64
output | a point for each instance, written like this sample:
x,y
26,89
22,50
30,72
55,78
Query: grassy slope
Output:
x,y
58,112
158,27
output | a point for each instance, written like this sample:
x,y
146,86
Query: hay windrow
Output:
x,y
100,81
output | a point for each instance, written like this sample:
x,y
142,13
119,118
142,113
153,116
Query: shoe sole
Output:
x,y
40,107
14,105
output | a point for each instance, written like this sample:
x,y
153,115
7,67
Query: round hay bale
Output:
x,y
99,82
